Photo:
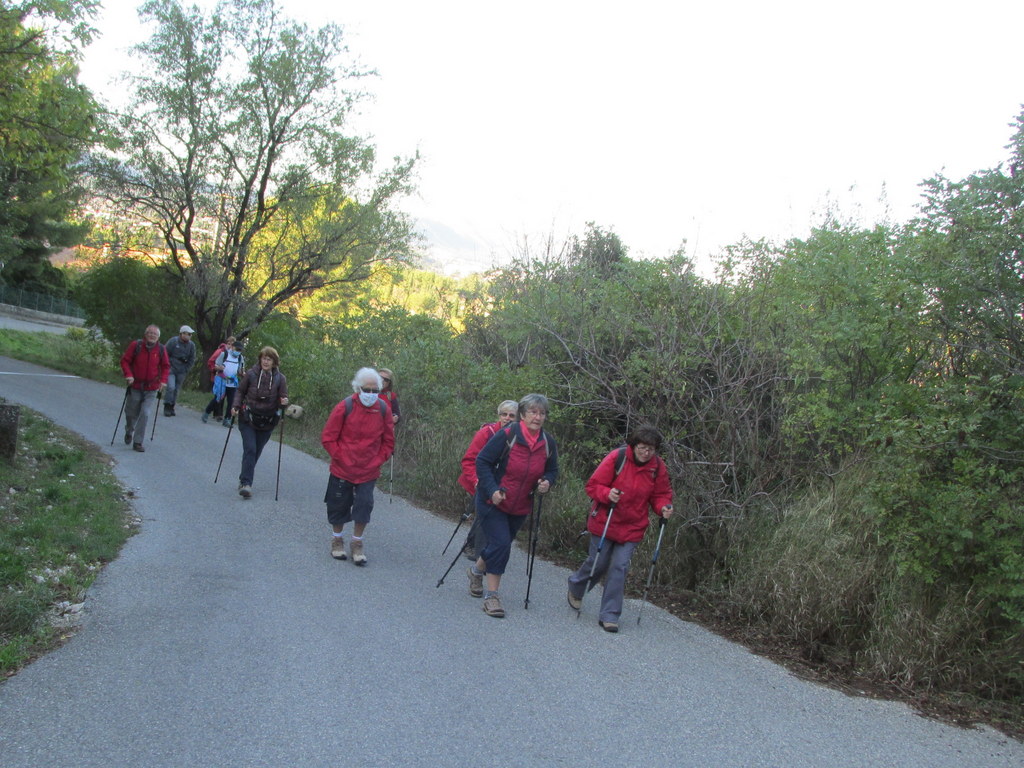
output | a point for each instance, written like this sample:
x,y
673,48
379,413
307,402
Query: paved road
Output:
x,y
225,635
23,320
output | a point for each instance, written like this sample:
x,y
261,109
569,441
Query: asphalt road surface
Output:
x,y
225,635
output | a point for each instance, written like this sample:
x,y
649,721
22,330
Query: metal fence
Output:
x,y
40,302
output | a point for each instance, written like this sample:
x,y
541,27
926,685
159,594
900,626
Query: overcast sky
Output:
x,y
666,124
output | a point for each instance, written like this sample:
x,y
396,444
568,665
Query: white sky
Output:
x,y
665,123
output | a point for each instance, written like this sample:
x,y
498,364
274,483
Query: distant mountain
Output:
x,y
452,252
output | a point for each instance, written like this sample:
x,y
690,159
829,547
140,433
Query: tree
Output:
x,y
233,151
47,120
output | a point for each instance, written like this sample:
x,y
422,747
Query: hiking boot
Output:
x,y
168,409
245,491
127,438
338,548
609,626
476,583
206,418
492,607
226,422
138,447
574,602
357,553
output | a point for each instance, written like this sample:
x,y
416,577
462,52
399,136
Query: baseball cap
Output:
x,y
185,329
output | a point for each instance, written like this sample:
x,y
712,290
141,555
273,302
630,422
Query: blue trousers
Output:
x,y
500,530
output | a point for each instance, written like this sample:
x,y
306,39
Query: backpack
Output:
x,y
350,404
139,343
211,363
135,352
620,462
510,431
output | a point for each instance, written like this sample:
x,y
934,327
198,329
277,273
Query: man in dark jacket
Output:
x,y
181,354
145,368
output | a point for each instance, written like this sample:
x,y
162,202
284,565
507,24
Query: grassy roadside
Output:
x,y
63,515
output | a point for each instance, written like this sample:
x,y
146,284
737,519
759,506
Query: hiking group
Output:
x,y
508,467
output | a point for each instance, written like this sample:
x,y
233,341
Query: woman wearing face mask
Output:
x,y
360,437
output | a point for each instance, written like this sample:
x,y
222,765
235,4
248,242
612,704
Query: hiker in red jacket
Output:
x,y
507,412
145,367
627,482
360,437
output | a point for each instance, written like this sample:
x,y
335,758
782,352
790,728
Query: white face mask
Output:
x,y
368,398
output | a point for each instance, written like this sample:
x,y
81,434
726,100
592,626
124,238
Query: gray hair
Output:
x,y
365,373
533,401
508,405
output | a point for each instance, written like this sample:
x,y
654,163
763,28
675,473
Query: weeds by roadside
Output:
x,y
62,517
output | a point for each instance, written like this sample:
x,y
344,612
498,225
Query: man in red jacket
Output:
x,y
145,367
360,437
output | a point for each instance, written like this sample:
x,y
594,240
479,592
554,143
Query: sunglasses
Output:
x,y
386,381
368,390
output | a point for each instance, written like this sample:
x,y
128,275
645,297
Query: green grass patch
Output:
x,y
80,351
63,515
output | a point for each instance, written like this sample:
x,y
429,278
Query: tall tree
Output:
x,y
233,149
47,120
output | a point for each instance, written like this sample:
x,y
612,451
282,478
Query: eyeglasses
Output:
x,y
386,381
534,412
508,415
368,390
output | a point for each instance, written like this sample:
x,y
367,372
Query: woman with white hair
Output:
x,y
360,437
475,541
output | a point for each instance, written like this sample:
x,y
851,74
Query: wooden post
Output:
x,y
9,415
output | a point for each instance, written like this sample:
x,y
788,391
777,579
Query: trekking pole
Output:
x,y
597,556
391,480
156,414
533,553
231,426
280,447
462,519
650,576
121,412
457,556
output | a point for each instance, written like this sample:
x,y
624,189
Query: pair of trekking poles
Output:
x,y
534,534
124,403
280,447
597,556
531,548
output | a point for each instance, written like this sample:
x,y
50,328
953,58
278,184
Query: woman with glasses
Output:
x,y
388,393
626,484
519,461
360,437
475,540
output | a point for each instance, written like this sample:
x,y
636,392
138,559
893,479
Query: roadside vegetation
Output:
x,y
62,517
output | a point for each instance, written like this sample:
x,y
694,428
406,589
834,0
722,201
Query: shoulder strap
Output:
x,y
620,460
350,404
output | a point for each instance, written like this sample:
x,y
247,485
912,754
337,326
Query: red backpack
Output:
x,y
211,363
